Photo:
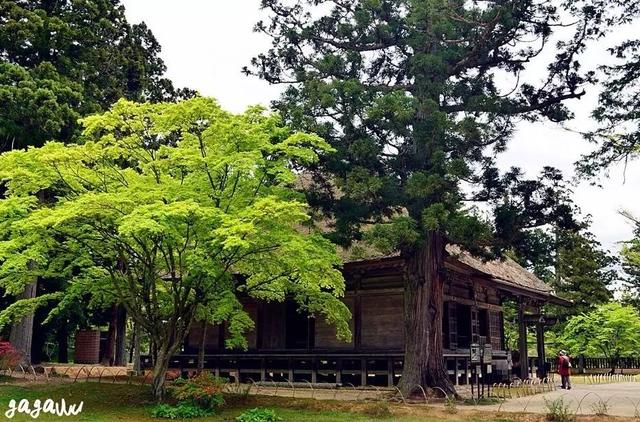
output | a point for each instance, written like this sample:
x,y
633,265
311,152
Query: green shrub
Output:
x,y
259,415
451,404
182,410
558,411
203,390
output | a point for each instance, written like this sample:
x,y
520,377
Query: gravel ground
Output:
x,y
619,399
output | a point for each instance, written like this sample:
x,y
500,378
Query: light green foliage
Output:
x,y
612,331
259,415
162,207
179,411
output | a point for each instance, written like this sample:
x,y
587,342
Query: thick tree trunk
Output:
x,y
22,331
423,307
63,343
109,355
121,336
136,348
201,347
160,368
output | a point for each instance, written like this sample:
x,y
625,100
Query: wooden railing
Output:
x,y
598,363
355,369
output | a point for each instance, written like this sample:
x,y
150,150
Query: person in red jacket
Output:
x,y
564,369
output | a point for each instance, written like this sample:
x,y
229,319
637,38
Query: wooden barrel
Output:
x,y
87,347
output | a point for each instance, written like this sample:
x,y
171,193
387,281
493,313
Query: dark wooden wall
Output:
x,y
381,322
472,314
325,334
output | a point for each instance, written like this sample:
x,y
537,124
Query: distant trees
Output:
x,y
61,60
612,330
631,263
538,222
174,210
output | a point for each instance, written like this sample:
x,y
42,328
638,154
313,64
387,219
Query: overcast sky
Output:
x,y
206,43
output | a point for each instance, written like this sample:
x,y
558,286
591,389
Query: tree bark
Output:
x,y
22,331
109,355
136,348
160,368
423,307
203,340
63,343
121,334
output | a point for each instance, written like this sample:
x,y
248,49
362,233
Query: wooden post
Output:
x,y
216,365
314,370
357,315
290,370
338,371
542,372
522,341
390,372
581,364
363,372
263,369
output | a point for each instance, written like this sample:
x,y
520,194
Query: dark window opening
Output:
x,y
297,328
464,326
483,322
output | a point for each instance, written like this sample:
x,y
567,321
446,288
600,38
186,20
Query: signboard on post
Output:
x,y
475,353
487,354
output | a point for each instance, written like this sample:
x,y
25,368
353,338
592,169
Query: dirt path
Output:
x,y
619,399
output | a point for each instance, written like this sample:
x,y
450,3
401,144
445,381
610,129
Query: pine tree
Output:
x,y
407,93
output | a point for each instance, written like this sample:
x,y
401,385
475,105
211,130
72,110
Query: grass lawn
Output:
x,y
118,402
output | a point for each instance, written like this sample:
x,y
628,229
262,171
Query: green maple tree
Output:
x,y
174,210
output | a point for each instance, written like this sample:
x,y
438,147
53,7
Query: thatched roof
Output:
x,y
506,270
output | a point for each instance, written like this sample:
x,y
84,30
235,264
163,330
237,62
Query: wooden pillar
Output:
x,y
263,369
390,372
357,314
522,341
542,373
290,375
216,366
363,372
338,371
314,370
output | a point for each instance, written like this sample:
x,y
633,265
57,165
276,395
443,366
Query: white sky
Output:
x,y
205,44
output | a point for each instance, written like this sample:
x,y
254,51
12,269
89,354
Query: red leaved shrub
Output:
x,y
9,356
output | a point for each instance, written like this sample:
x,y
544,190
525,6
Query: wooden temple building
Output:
x,y
289,346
